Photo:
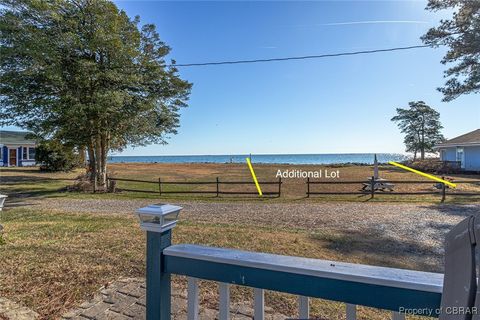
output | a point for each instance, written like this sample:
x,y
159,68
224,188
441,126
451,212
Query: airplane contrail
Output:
x,y
373,22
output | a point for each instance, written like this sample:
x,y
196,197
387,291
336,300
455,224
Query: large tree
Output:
x,y
461,34
421,125
83,72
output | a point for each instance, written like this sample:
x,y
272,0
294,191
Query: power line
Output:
x,y
352,53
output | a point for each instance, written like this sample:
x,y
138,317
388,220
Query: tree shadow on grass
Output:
x,y
12,180
14,169
374,247
20,197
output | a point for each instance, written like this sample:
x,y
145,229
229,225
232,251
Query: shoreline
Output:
x,y
266,159
343,164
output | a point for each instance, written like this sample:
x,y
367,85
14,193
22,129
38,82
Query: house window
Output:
x,y
31,153
28,153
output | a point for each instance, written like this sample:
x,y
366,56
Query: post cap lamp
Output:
x,y
158,217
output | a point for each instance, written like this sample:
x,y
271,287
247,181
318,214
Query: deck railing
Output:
x,y
395,290
384,288
452,296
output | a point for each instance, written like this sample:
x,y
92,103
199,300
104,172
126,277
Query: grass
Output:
x,y
51,261
29,182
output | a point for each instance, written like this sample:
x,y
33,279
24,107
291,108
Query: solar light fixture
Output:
x,y
158,217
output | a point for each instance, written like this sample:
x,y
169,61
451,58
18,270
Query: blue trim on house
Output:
x,y
20,161
5,155
19,156
377,296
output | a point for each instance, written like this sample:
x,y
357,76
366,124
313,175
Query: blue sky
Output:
x,y
333,105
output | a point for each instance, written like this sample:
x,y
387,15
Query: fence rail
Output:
x,y
373,189
370,187
217,183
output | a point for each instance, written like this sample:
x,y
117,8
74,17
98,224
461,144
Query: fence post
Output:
x,y
160,186
218,187
444,191
308,187
279,186
159,237
372,185
158,281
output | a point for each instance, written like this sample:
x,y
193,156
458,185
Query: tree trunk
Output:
x,y
91,162
419,143
103,159
98,163
422,146
82,156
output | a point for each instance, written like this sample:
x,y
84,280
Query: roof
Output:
x,y
15,137
467,139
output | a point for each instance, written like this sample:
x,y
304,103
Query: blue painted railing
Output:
x,y
396,290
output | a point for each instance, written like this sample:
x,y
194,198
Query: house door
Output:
x,y
461,157
12,157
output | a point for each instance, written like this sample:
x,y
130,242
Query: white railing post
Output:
x,y
303,307
398,316
351,311
224,305
192,296
259,304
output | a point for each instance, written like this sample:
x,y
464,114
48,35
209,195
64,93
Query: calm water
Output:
x,y
363,158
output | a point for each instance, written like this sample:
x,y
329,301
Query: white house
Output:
x,y
464,149
16,149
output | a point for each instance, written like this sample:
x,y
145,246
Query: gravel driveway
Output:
x,y
424,225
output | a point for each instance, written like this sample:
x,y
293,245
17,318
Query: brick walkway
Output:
x,y
11,310
125,300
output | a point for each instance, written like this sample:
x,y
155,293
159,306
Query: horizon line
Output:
x,y
260,154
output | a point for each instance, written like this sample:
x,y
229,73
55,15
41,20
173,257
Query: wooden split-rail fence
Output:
x,y
217,184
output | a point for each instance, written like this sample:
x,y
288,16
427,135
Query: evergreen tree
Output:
x,y
421,125
461,34
84,73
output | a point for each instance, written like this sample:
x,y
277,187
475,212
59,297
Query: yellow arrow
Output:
x,y
254,177
423,174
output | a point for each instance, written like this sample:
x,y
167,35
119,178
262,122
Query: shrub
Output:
x,y
82,184
55,156
433,166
